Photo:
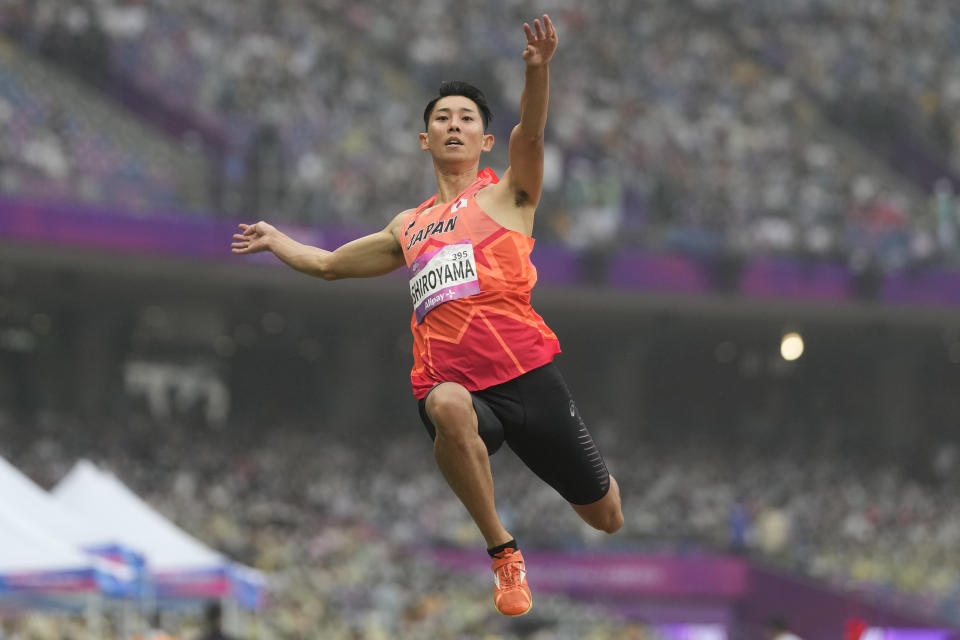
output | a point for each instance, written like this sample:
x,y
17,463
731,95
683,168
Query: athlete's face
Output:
x,y
455,130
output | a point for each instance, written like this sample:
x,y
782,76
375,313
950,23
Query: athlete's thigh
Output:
x,y
553,440
488,424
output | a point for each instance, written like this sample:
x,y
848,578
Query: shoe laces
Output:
x,y
510,569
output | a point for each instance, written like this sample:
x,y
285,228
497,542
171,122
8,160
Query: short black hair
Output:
x,y
460,88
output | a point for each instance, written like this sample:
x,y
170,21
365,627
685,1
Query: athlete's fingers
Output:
x,y
539,28
528,32
246,241
548,24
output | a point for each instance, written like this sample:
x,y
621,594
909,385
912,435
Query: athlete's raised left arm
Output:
x,y
525,175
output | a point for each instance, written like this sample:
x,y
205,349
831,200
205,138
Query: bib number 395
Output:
x,y
443,275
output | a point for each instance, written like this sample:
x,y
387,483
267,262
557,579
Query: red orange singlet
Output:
x,y
470,281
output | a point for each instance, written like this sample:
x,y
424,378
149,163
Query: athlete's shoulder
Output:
x,y
398,219
396,225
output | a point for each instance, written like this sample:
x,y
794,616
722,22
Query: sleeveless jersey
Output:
x,y
470,281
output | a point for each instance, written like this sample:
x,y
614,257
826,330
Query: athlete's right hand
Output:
x,y
253,238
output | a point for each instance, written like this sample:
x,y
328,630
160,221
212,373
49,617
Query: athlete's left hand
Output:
x,y
541,42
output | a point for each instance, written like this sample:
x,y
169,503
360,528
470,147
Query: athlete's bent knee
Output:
x,y
613,519
450,408
606,514
608,519
611,522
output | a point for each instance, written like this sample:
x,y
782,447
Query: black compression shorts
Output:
x,y
538,420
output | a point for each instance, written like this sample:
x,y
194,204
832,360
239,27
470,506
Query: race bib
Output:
x,y
442,275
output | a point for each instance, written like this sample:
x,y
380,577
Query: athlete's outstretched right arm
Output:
x,y
372,255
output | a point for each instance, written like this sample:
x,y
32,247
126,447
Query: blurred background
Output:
x,y
747,245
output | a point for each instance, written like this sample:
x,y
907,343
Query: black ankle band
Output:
x,y
499,548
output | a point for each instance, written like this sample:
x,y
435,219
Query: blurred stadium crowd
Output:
x,y
339,523
712,127
340,537
704,126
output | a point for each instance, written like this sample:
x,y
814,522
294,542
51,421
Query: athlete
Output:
x,y
483,369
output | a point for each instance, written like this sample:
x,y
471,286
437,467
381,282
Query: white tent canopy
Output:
x,y
25,497
100,496
26,547
34,561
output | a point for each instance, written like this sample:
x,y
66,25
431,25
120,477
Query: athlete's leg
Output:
x,y
462,457
554,443
606,513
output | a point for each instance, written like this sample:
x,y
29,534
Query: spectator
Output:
x,y
213,615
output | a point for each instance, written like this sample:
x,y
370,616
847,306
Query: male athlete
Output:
x,y
483,358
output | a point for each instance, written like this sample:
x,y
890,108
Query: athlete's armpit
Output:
x,y
510,206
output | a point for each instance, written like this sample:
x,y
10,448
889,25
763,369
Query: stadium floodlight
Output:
x,y
791,346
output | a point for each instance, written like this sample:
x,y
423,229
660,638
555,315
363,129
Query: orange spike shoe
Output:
x,y
511,593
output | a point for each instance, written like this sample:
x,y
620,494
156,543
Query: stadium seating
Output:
x,y
706,138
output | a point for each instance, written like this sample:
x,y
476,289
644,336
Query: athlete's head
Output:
x,y
455,124
459,88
